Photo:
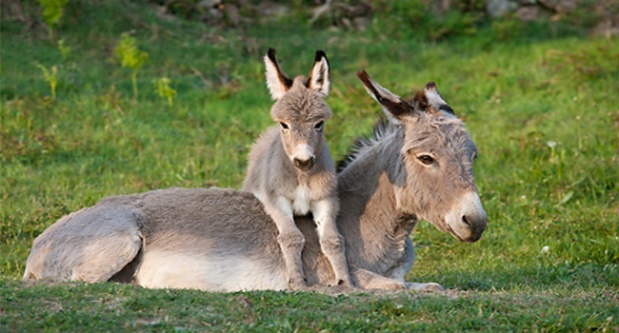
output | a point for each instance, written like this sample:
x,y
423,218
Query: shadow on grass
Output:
x,y
581,276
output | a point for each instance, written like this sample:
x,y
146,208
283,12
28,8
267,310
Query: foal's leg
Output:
x,y
331,242
290,239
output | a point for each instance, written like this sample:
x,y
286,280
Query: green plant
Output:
x,y
131,57
52,13
163,89
64,49
51,77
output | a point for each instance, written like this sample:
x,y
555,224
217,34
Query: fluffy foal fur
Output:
x,y
291,171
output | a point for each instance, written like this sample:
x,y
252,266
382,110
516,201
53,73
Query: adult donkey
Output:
x,y
418,165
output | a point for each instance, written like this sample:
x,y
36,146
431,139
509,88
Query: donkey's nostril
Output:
x,y
465,220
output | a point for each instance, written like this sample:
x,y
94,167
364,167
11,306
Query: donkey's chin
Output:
x,y
468,228
464,233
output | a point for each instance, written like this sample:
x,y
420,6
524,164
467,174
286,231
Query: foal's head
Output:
x,y
300,109
436,181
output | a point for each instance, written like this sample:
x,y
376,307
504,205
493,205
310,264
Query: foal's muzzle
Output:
x,y
304,164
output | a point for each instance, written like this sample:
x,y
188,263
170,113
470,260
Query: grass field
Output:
x,y
542,104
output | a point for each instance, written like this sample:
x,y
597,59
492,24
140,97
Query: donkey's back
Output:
x,y
175,238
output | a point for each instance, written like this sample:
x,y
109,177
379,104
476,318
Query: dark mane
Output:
x,y
381,128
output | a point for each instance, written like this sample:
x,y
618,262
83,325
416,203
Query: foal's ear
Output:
x,y
430,97
393,105
277,82
320,78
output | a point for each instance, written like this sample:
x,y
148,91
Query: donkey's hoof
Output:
x,y
429,287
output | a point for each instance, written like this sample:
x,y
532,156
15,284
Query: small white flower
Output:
x,y
551,144
545,249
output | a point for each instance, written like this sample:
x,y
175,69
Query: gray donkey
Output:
x,y
419,165
291,171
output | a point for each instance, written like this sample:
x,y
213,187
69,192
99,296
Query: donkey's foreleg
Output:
x,y
331,242
404,265
372,281
290,239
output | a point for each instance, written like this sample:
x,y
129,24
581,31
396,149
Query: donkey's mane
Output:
x,y
382,128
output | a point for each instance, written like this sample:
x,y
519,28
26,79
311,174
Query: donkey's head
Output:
x,y
436,179
300,108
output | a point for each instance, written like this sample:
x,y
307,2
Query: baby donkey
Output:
x,y
291,170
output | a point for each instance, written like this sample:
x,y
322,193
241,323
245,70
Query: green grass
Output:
x,y
541,104
108,307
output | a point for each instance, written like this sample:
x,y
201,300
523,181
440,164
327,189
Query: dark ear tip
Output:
x,y
271,54
363,75
319,55
431,85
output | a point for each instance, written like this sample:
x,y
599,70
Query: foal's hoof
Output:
x,y
345,283
343,286
297,284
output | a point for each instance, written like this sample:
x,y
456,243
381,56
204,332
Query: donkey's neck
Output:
x,y
371,221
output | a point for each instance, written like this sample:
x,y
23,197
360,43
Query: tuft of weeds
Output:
x,y
162,86
51,77
53,11
130,57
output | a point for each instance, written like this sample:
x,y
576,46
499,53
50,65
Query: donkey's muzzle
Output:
x,y
467,220
477,223
304,164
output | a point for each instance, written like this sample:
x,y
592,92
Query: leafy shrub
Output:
x,y
52,13
162,86
51,76
131,57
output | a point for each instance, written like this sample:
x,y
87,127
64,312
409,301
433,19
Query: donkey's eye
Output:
x,y
283,125
425,159
319,126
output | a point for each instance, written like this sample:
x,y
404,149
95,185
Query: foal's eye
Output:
x,y
283,125
425,159
319,126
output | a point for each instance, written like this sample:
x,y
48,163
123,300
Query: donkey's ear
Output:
x,y
393,105
430,97
277,82
320,78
